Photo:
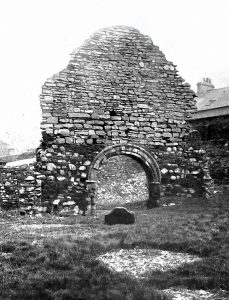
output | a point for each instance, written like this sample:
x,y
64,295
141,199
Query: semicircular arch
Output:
x,y
146,160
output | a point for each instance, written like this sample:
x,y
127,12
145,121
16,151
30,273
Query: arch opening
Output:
x,y
141,156
121,181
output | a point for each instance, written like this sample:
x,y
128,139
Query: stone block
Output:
x,y
89,141
82,168
78,115
60,141
49,131
69,140
142,106
48,99
29,178
52,120
51,166
95,116
72,167
100,132
167,134
64,132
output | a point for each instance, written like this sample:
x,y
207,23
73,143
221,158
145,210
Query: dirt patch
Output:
x,y
137,262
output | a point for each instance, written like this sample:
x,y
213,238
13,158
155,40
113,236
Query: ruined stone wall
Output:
x,y
20,187
214,137
117,88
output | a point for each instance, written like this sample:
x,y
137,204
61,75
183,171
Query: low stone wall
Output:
x,y
182,174
20,187
218,152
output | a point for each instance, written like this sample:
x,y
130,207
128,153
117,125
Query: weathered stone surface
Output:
x,y
119,215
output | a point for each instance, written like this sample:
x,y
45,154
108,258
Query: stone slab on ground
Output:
x,y
119,215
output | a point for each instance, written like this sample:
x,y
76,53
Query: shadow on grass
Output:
x,y
210,273
65,269
198,275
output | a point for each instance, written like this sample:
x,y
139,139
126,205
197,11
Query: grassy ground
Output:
x,y
60,262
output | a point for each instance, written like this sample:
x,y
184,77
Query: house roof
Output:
x,y
213,103
214,99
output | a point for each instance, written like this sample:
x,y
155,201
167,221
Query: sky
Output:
x,y
37,37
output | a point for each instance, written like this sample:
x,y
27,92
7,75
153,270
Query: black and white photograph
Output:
x,y
114,150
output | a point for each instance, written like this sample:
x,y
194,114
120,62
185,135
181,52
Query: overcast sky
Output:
x,y
37,37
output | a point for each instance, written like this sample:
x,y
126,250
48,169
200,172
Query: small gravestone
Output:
x,y
119,215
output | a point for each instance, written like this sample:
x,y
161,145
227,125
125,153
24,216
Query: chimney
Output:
x,y
204,86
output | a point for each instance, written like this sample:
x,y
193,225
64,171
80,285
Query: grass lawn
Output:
x,y
57,258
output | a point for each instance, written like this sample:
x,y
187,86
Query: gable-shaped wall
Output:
x,y
117,88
